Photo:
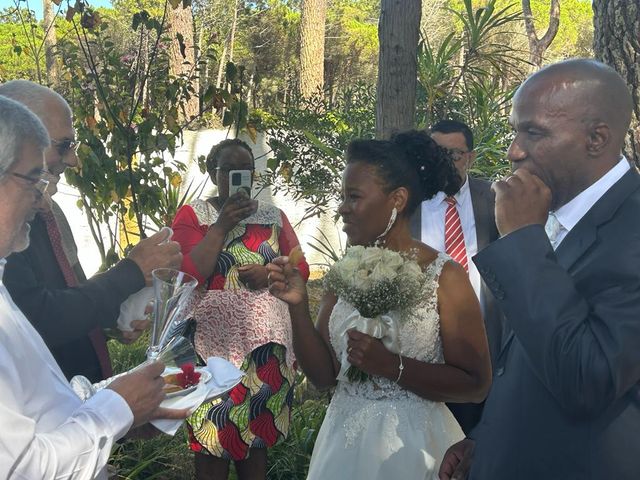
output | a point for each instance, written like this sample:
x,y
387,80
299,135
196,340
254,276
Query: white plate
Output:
x,y
205,376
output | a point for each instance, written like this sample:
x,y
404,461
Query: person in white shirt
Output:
x,y
473,206
47,432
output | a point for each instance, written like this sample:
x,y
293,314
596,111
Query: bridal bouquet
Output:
x,y
376,281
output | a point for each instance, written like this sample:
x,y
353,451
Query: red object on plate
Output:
x,y
188,377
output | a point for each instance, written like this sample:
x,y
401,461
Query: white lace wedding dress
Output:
x,y
376,430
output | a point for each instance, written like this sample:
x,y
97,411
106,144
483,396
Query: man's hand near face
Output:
x,y
521,199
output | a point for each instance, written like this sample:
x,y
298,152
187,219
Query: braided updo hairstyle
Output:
x,y
412,160
216,151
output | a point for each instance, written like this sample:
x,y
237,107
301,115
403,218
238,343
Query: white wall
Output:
x,y
195,144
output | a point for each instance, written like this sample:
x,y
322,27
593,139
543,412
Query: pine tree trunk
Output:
x,y
50,43
182,57
616,42
398,32
537,46
312,26
232,33
221,66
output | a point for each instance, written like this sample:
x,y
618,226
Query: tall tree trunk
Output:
x,y
232,32
228,46
312,26
221,66
182,54
50,43
537,46
204,61
616,42
398,33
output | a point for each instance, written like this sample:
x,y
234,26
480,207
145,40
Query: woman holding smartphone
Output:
x,y
226,241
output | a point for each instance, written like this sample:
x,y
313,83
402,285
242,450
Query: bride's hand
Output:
x,y
285,282
371,356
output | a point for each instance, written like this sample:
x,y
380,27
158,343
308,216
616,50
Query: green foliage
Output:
x,y
307,141
128,112
128,109
471,76
126,119
575,34
16,54
157,458
351,44
289,460
330,253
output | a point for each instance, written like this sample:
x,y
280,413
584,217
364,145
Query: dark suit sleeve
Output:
x,y
584,350
64,314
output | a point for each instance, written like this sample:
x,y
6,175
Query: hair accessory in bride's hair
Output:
x,y
379,242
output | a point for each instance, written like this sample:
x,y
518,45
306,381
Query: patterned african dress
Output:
x,y
251,329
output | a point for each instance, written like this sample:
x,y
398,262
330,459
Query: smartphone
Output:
x,y
240,181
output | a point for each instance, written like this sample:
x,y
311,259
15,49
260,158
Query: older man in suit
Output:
x,y
460,226
565,400
46,280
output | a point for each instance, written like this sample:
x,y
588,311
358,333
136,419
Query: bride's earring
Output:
x,y
380,240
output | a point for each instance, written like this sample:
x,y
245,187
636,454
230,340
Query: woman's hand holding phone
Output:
x,y
236,208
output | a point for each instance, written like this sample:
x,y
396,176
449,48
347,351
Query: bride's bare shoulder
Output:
x,y
425,254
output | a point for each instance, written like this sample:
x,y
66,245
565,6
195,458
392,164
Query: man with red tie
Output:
x,y
46,280
461,225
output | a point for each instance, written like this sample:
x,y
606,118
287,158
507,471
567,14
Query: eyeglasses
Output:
x,y
65,146
39,183
457,153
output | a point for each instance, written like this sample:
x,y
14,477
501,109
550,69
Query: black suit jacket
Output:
x,y
64,316
483,202
565,400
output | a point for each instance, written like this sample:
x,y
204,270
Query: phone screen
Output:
x,y
240,181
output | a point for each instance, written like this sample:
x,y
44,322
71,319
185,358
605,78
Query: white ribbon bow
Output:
x,y
383,327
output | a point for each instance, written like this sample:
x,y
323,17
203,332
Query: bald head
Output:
x,y
39,99
570,120
593,90
55,114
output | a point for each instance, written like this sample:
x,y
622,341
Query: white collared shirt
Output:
x,y
47,432
432,229
572,212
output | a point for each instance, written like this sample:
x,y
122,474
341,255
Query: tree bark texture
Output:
x,y
312,27
398,32
182,57
50,43
616,42
537,46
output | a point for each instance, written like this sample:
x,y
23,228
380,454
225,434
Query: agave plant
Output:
x,y
471,77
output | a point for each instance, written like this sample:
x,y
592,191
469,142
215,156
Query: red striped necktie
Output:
x,y
453,235
97,336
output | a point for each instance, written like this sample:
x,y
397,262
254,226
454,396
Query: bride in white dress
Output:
x,y
394,425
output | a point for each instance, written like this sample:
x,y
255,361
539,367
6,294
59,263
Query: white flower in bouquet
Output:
x,y
375,281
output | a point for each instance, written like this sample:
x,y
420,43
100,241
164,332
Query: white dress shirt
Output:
x,y
433,213
46,431
572,212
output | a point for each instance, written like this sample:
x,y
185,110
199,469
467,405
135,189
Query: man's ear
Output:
x,y
400,197
598,138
